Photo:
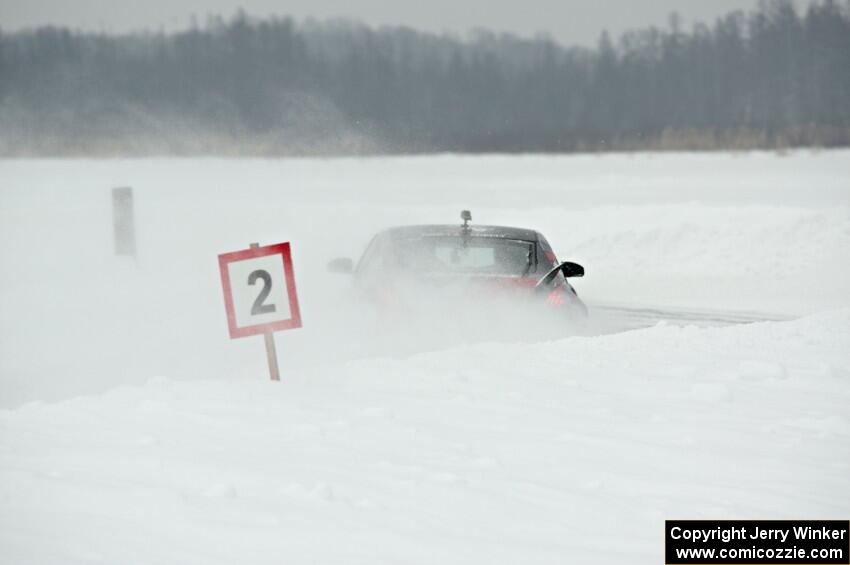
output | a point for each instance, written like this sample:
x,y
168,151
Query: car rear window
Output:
x,y
466,255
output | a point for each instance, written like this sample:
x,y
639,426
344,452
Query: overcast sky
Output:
x,y
568,21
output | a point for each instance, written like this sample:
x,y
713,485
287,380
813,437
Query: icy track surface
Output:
x,y
134,431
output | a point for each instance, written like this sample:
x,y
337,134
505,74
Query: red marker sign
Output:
x,y
259,294
259,290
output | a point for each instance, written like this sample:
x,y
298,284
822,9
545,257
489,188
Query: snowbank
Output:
x,y
573,450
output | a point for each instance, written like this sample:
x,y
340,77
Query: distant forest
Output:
x,y
772,78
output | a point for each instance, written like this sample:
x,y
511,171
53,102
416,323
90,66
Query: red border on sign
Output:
x,y
281,249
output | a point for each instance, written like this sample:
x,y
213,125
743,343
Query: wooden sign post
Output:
x,y
271,350
259,295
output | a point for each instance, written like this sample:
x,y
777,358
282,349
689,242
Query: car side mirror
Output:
x,y
568,268
571,269
342,265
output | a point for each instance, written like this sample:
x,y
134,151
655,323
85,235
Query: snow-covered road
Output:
x,y
712,382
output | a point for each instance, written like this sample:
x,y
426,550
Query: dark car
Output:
x,y
464,265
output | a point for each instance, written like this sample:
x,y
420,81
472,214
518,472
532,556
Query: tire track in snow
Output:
x,y
609,318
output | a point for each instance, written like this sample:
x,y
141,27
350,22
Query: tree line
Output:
x,y
773,77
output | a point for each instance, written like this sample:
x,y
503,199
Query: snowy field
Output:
x,y
132,430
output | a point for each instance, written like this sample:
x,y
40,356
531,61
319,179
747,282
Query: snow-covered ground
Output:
x,y
135,431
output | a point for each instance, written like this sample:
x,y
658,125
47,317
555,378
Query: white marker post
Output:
x,y
259,294
122,221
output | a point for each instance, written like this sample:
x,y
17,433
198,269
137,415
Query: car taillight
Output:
x,y
556,297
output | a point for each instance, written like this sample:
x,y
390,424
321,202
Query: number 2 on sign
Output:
x,y
259,307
